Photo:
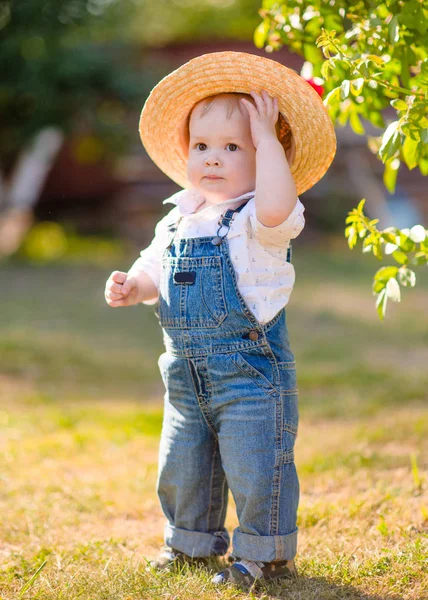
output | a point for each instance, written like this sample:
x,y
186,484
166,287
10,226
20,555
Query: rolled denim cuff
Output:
x,y
196,543
265,548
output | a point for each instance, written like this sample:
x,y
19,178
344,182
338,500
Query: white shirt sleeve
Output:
x,y
279,234
150,259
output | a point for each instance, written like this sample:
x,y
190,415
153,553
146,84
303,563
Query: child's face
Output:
x,y
221,146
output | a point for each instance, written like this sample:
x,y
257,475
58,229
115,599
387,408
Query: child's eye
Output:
x,y
201,144
235,147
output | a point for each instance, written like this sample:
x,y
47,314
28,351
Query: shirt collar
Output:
x,y
189,200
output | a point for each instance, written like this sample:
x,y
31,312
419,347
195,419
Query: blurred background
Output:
x,y
79,197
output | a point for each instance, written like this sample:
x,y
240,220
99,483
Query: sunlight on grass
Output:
x,y
81,414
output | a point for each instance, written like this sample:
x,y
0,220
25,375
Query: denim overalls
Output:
x,y
231,409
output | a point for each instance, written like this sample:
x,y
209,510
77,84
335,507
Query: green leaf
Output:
x,y
369,239
352,235
312,53
376,59
333,98
326,67
378,286
260,34
381,303
393,30
391,140
423,166
411,130
420,258
405,243
404,56
410,152
398,104
355,123
385,273
390,174
360,229
377,250
361,205
400,257
388,237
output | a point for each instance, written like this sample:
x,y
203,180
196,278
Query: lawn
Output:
x,y
80,416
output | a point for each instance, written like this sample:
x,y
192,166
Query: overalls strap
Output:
x,y
226,221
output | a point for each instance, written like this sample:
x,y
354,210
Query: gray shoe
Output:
x,y
244,573
169,558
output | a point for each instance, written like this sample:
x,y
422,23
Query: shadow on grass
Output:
x,y
305,587
317,588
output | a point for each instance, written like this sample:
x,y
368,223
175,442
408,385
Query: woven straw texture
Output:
x,y
164,116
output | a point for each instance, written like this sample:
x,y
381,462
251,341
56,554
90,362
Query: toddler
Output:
x,y
219,271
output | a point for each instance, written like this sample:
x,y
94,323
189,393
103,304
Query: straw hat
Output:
x,y
164,118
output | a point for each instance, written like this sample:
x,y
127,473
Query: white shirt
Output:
x,y
265,278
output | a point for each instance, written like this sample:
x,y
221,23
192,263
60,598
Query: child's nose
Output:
x,y
212,160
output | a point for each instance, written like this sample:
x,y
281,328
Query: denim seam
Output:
x,y
192,369
230,348
274,364
290,428
223,307
211,486
272,322
178,324
189,261
285,457
287,365
201,405
236,332
276,484
267,385
208,419
279,419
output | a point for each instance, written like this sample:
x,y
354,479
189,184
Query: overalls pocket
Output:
x,y
257,367
192,293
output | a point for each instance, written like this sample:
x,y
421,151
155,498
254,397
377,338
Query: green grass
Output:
x,y
81,413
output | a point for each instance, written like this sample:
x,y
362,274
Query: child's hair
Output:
x,y
232,101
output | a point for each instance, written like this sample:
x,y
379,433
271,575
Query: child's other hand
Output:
x,y
263,116
121,290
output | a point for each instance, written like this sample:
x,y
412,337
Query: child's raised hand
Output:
x,y
121,290
263,116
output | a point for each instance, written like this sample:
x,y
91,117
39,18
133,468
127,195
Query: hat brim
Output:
x,y
164,115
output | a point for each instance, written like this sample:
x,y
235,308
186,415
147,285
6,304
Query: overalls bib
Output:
x,y
230,411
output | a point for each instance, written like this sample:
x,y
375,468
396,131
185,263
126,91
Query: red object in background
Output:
x,y
318,88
